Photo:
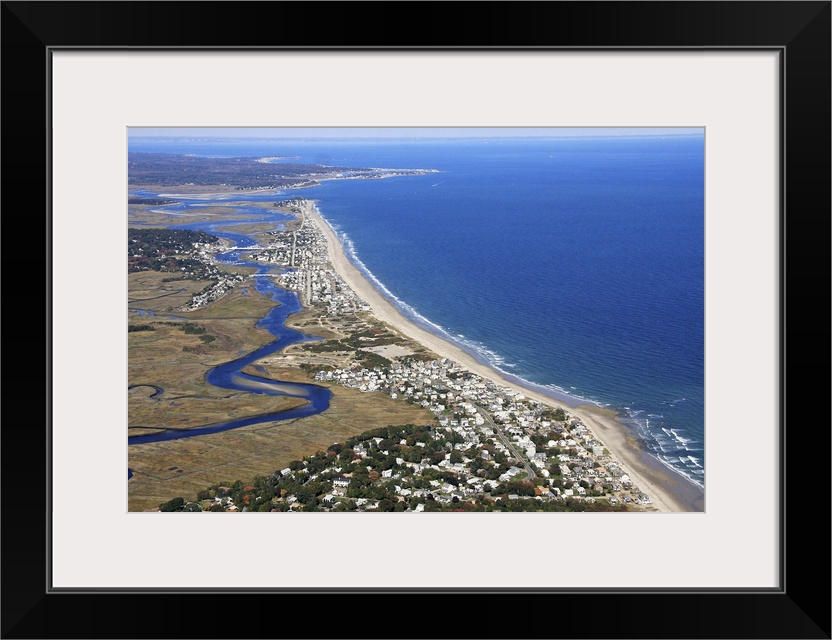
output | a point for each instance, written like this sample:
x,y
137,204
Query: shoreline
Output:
x,y
669,490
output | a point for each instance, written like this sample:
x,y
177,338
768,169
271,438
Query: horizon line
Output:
x,y
406,133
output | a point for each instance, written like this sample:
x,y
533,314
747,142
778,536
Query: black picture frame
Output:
x,y
799,31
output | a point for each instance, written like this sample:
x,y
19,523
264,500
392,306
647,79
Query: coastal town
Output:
x,y
489,447
184,255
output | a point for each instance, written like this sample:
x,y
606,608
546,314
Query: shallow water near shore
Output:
x,y
576,265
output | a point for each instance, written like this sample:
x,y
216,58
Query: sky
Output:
x,y
401,132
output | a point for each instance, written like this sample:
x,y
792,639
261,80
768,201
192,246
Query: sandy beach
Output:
x,y
668,490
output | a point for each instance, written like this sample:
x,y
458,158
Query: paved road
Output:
x,y
530,474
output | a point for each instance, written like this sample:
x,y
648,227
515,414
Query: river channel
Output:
x,y
230,374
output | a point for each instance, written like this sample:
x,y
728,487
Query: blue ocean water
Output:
x,y
576,264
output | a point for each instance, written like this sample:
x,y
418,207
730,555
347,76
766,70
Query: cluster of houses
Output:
x,y
466,471
407,484
375,174
499,435
320,285
296,184
303,254
571,460
223,283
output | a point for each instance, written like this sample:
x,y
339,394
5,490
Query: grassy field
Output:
x,y
176,361
248,229
190,189
242,454
183,346
147,291
150,215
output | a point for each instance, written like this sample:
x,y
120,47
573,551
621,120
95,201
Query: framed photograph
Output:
x,y
750,81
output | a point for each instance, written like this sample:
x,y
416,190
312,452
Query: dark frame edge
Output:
x,y
806,166
24,157
806,228
49,318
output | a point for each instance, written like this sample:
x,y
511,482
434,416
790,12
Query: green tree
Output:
x,y
385,505
432,505
176,504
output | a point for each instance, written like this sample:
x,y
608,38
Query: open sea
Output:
x,y
575,264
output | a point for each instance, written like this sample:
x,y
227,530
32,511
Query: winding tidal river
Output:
x,y
230,374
